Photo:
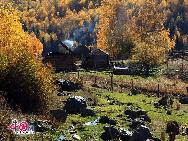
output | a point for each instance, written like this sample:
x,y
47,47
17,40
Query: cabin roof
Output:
x,y
98,51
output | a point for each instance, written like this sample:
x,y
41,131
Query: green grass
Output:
x,y
114,105
105,107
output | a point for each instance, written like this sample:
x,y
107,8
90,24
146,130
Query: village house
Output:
x,y
61,60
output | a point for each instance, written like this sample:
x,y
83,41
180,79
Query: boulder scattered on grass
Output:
x,y
59,114
42,125
134,114
107,120
165,101
87,112
141,133
111,133
75,105
78,105
66,85
184,100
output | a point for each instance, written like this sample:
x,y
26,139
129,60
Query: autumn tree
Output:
x,y
24,80
152,41
112,34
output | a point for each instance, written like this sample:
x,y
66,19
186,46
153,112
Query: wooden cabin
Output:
x,y
62,60
97,59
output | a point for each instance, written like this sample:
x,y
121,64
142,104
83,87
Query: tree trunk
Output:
x,y
172,137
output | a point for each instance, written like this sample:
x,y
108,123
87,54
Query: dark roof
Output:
x,y
81,51
98,51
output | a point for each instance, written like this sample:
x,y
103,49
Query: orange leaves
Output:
x,y
14,41
152,40
34,45
110,35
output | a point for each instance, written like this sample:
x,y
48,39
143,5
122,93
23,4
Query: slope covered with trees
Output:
x,y
139,29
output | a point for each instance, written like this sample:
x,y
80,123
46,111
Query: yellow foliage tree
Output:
x,y
152,41
35,46
13,39
109,33
23,77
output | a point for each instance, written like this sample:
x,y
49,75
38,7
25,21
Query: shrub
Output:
x,y
5,117
28,84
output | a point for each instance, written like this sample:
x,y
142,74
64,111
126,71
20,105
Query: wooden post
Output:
x,y
167,65
163,136
182,66
78,74
112,81
132,84
95,81
158,90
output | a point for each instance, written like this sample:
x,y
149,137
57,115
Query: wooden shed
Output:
x,y
62,60
97,59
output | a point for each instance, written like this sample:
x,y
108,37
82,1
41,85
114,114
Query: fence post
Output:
x,y
158,90
167,65
162,136
95,79
78,73
112,81
182,66
132,84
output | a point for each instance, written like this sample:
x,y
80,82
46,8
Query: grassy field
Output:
x,y
106,107
112,104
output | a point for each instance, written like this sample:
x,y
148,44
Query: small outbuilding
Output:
x,y
97,59
61,60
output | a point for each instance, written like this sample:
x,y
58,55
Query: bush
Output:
x,y
5,117
26,82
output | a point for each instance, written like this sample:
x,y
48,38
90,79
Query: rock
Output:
x,y
75,105
184,100
125,135
104,119
145,118
72,129
59,114
76,137
142,133
165,101
131,114
136,123
112,122
107,120
142,114
172,127
66,85
111,133
61,138
92,123
42,125
87,112
185,131
169,112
